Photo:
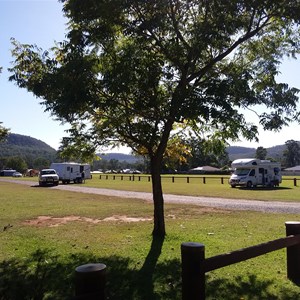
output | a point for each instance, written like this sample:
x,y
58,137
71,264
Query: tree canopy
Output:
x,y
291,155
3,132
261,153
138,72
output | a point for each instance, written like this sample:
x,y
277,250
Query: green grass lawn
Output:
x,y
212,187
38,255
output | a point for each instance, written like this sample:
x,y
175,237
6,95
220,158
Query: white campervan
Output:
x,y
71,171
251,172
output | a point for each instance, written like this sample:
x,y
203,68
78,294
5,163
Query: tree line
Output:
x,y
148,73
289,158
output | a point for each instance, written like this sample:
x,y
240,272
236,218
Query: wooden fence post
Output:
x,y
193,274
293,253
295,181
204,180
90,281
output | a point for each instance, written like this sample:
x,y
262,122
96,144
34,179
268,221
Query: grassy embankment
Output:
x,y
38,259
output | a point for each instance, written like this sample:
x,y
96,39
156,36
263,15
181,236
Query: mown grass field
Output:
x,y
194,186
38,255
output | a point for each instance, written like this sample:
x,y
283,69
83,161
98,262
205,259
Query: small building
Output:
x,y
32,172
204,170
292,171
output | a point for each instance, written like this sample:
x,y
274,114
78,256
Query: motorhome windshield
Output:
x,y
241,172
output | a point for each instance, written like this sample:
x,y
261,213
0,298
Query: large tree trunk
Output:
x,y
159,218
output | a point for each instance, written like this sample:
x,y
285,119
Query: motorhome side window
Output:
x,y
68,168
261,170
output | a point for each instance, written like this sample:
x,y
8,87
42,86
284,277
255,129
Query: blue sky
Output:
x,y
41,22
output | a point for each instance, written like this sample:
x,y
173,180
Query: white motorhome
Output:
x,y
71,171
251,172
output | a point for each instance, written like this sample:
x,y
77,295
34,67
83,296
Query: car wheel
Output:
x,y
249,184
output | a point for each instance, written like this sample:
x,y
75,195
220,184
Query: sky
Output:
x,y
41,22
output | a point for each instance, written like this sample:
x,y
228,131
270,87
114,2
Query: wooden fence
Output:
x,y
90,279
195,265
174,179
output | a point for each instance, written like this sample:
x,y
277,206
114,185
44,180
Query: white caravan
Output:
x,y
70,171
250,172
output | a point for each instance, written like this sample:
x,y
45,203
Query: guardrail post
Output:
x,y
295,181
204,180
90,280
293,253
193,274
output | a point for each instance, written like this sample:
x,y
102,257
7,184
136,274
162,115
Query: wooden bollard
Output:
x,y
90,281
293,253
193,274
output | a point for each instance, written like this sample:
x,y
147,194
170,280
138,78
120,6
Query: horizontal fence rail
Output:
x,y
233,257
194,264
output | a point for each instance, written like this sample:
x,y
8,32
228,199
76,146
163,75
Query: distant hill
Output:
x,y
236,152
26,147
31,148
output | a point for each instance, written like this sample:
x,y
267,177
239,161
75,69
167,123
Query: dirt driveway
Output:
x,y
223,203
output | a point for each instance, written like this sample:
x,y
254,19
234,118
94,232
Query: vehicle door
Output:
x,y
252,176
261,176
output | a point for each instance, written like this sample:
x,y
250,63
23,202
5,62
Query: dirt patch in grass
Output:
x,y
49,221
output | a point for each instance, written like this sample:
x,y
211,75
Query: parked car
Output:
x,y
17,174
48,176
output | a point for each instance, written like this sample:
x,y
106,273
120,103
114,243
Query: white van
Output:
x,y
251,172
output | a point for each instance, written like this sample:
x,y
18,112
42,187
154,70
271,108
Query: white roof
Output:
x,y
205,168
295,168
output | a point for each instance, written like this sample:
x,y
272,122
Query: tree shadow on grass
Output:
x,y
250,288
46,276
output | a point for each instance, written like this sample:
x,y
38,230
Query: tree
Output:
x,y
291,155
16,163
204,152
3,132
136,72
261,153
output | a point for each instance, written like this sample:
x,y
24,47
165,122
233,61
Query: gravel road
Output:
x,y
223,203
